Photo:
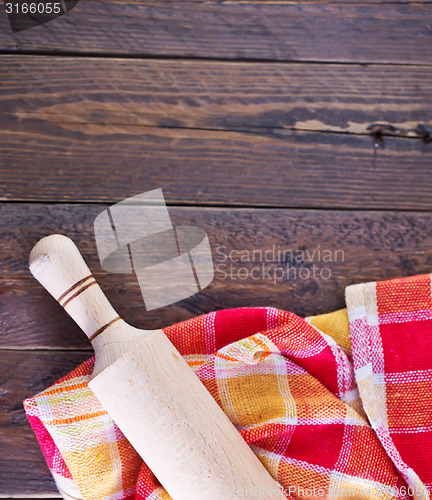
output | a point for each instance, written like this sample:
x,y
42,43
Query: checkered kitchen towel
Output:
x,y
328,415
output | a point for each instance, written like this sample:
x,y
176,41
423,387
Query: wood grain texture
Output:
x,y
214,95
376,246
292,31
23,470
43,161
285,169
280,131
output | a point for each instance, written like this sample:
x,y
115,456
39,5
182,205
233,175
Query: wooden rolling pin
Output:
x,y
150,391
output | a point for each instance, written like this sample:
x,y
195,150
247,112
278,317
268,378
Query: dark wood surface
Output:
x,y
378,32
304,125
375,245
173,123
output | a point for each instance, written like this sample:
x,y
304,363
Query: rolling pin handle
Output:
x,y
56,263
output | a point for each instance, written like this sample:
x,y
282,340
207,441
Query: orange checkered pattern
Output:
x,y
328,416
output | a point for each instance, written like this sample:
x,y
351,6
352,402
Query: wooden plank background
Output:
x,y
380,32
375,245
278,123
299,124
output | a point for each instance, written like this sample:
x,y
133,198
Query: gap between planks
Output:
x,y
222,60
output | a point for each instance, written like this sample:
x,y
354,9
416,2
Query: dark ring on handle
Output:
x,y
103,328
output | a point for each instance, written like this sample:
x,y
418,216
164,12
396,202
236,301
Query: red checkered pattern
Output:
x,y
391,331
